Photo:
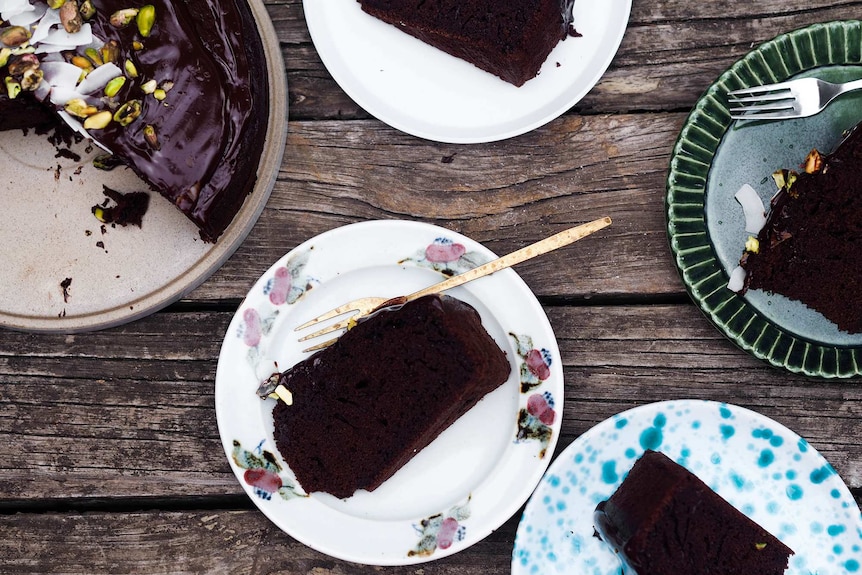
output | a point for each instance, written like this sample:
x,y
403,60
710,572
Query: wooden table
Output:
x,y
110,459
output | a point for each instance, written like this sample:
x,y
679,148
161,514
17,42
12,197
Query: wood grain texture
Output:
x,y
110,456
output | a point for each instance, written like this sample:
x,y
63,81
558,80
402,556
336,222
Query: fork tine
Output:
x,y
342,309
759,89
340,324
777,107
782,115
787,95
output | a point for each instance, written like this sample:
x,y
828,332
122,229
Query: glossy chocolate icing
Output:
x,y
211,125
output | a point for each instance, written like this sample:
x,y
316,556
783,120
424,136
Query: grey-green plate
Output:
x,y
714,156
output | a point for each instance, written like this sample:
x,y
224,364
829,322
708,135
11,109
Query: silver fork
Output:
x,y
798,98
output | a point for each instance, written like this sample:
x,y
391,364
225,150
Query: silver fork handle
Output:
x,y
848,87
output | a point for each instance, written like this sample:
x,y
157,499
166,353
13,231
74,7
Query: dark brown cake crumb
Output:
x,y
128,208
64,285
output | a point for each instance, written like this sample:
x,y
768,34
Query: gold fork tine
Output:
x,y
342,309
340,324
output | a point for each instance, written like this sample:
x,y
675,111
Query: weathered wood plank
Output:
x,y
503,194
196,542
129,412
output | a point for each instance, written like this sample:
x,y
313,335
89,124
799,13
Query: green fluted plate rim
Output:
x,y
813,50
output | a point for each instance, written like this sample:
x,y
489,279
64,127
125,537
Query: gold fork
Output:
x,y
366,305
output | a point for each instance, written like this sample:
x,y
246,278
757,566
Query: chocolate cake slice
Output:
x,y
185,96
363,407
663,520
510,39
810,248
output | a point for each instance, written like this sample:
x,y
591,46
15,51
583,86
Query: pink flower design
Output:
x,y
281,285
537,364
448,532
443,251
253,329
540,406
263,479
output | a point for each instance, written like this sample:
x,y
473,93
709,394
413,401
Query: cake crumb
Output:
x,y
64,285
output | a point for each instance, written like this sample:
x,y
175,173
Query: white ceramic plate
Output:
x,y
117,274
427,93
468,481
759,466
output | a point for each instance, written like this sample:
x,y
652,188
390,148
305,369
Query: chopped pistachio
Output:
x,y
31,79
5,53
80,108
95,56
87,9
128,112
137,46
20,64
55,4
106,162
760,546
14,36
145,19
752,245
98,121
159,94
167,86
151,137
110,51
131,69
99,212
122,18
149,86
82,62
70,17
13,88
813,162
113,86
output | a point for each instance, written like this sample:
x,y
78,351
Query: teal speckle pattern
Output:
x,y
762,468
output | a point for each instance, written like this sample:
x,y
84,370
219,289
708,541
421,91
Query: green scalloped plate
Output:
x,y
714,156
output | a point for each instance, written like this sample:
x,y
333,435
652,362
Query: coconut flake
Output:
x,y
752,208
737,279
12,8
99,78
28,17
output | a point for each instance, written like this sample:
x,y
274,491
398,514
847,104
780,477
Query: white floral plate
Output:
x,y
467,482
765,470
427,93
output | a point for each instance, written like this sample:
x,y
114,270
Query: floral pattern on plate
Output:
x,y
538,415
447,256
759,466
263,472
440,531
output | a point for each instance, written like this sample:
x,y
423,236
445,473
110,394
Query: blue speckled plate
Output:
x,y
715,156
765,470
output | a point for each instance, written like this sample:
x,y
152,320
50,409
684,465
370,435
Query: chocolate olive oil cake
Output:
x,y
508,38
176,91
663,520
363,407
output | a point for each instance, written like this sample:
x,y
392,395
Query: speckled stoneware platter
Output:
x,y
714,157
759,466
114,274
425,92
469,480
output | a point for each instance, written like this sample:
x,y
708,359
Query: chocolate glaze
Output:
x,y
211,126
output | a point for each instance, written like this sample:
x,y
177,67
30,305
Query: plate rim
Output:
x,y
578,445
380,110
210,261
477,531
701,271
